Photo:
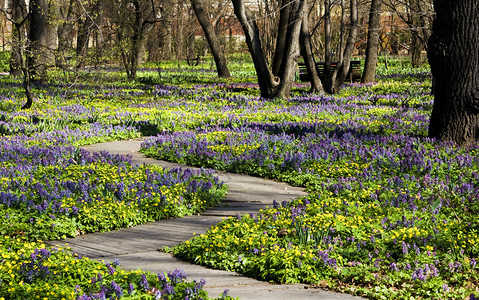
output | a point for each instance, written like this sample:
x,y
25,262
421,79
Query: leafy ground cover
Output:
x,y
50,189
390,213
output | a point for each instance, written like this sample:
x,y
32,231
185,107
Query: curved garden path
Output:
x,y
137,247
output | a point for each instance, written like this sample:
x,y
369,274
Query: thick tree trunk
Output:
x,y
291,52
273,86
369,73
267,83
19,13
38,36
454,58
307,53
213,41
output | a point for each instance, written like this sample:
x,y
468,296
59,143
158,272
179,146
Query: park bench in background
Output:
x,y
354,74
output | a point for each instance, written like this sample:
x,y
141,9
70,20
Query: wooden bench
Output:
x,y
194,61
354,74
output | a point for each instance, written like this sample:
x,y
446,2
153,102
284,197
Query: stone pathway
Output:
x,y
137,247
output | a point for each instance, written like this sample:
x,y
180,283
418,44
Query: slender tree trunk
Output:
x,y
136,41
416,49
179,37
21,58
342,68
369,73
307,52
284,13
416,25
64,33
83,40
213,41
454,58
328,57
342,35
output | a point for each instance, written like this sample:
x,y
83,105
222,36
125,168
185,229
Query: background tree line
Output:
x,y
276,33
93,32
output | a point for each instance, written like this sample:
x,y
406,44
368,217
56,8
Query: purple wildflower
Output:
x,y
393,267
131,288
144,283
111,270
225,293
116,289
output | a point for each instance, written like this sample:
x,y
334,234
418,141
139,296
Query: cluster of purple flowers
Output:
x,y
36,267
100,288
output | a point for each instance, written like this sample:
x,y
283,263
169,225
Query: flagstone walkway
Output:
x,y
137,247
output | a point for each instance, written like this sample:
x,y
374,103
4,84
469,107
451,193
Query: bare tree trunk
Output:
x,y
267,83
307,53
19,13
213,41
271,86
281,37
179,38
416,49
342,68
369,73
83,39
191,27
38,37
292,51
65,30
416,25
342,35
454,58
328,57
26,76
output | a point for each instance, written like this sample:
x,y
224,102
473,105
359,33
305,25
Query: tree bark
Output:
x,y
267,83
416,49
19,13
342,68
38,37
65,29
83,40
328,57
292,51
211,37
342,34
417,27
307,52
453,54
369,73
273,86
284,13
